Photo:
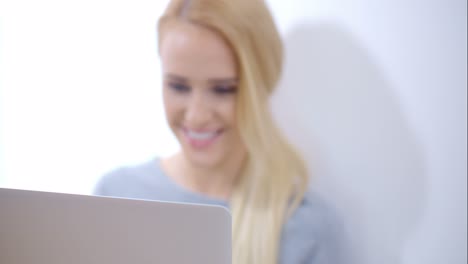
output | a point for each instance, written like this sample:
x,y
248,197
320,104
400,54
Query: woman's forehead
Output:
x,y
193,51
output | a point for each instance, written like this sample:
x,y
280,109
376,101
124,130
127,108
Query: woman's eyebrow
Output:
x,y
175,77
223,80
178,78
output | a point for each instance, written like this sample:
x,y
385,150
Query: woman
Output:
x,y
221,61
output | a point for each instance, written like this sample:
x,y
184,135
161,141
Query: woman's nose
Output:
x,y
198,111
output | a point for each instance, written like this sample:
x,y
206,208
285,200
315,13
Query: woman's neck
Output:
x,y
216,182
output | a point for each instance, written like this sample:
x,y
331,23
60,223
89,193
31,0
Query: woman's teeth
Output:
x,y
201,135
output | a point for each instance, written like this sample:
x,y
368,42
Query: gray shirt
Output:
x,y
310,236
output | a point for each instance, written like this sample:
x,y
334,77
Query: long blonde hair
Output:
x,y
274,177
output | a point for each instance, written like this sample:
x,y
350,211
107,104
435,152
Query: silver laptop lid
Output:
x,y
40,227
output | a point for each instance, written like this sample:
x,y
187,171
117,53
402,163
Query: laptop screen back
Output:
x,y
52,228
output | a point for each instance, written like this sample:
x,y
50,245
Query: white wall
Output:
x,y
2,173
82,91
374,94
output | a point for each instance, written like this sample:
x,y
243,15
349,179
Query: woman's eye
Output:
x,y
179,87
225,89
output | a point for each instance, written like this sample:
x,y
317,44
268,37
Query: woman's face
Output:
x,y
200,86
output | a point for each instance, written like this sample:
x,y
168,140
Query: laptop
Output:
x,y
54,228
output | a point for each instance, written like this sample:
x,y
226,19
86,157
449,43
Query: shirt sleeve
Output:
x,y
331,247
111,183
100,188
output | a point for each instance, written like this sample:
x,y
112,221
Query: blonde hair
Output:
x,y
274,177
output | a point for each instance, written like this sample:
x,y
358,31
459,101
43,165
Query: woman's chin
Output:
x,y
203,160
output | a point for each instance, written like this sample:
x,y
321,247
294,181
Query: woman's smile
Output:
x,y
201,139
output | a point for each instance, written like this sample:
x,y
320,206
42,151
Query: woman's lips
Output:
x,y
201,139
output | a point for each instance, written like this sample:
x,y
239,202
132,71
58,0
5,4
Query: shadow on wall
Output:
x,y
337,107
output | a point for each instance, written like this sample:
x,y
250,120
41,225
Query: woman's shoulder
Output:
x,y
313,233
314,215
111,180
120,180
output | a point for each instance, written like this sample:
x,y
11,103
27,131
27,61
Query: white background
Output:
x,y
374,95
